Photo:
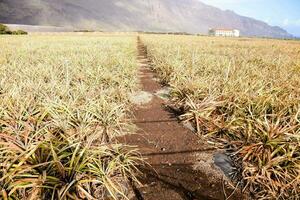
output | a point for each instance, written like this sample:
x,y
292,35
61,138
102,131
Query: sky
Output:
x,y
283,13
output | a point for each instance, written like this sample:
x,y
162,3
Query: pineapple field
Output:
x,y
63,100
69,128
245,94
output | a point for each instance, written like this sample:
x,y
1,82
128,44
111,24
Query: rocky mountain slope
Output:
x,y
131,15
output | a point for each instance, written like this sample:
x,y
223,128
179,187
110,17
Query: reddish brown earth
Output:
x,y
181,163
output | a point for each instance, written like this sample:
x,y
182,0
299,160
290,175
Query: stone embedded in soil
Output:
x,y
164,93
156,79
189,126
224,163
140,98
205,164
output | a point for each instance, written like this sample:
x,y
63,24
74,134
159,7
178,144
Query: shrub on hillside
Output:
x,y
5,30
19,32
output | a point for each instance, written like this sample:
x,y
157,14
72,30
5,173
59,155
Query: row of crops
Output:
x,y
244,93
63,100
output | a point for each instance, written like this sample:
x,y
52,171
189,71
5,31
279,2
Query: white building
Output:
x,y
225,32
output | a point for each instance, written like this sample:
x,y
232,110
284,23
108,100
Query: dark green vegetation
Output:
x,y
4,30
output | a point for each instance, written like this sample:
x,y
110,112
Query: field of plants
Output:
x,y
63,100
245,94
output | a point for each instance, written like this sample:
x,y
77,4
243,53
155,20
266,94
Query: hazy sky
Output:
x,y
283,13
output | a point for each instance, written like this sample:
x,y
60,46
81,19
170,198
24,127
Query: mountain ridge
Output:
x,y
190,16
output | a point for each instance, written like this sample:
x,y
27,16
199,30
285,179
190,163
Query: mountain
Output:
x,y
190,16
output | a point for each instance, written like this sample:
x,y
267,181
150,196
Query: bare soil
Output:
x,y
181,164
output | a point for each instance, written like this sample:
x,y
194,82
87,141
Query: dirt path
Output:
x,y
182,165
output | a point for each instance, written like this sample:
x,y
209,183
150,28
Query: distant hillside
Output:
x,y
131,15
